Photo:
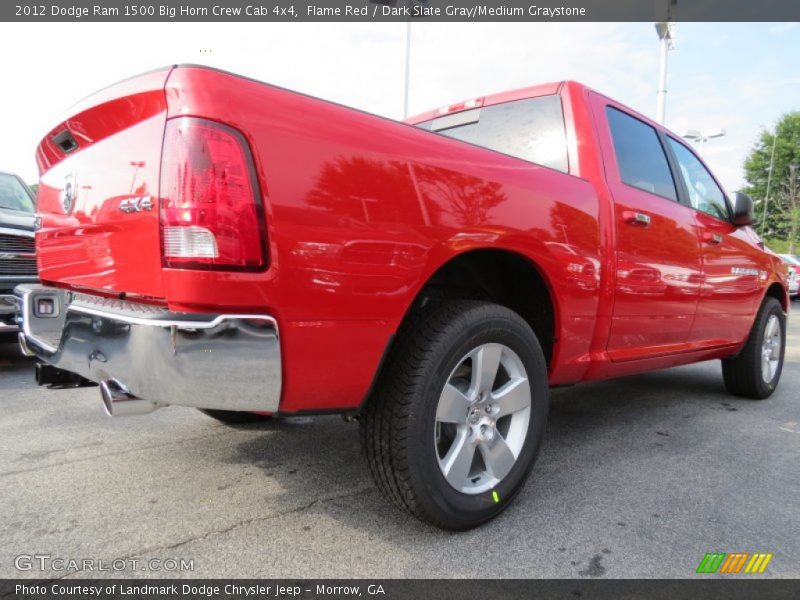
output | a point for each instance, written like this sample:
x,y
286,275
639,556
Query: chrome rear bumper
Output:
x,y
224,362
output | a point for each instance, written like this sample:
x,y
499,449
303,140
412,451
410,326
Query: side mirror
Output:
x,y
742,209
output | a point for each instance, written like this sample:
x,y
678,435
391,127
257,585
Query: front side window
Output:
x,y
531,129
704,193
640,156
13,195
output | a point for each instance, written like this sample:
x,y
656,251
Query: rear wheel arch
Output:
x,y
482,268
502,276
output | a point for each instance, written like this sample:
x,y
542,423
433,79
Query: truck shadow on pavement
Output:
x,y
12,360
10,352
591,426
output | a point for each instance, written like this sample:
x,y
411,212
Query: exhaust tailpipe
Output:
x,y
118,402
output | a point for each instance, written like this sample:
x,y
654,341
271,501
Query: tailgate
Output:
x,y
98,192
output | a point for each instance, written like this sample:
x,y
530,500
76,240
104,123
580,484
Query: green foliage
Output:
x,y
780,212
778,246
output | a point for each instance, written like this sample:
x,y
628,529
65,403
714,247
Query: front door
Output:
x,y
731,269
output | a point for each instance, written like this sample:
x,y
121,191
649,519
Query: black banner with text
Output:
x,y
394,589
401,10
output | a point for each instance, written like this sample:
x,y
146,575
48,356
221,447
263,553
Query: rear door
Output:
x,y
731,264
658,265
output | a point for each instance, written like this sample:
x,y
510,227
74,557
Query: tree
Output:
x,y
789,197
782,218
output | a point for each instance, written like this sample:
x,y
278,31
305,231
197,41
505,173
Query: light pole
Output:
x,y
794,205
702,136
407,76
665,31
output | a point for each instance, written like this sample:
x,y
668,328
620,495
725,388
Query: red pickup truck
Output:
x,y
211,241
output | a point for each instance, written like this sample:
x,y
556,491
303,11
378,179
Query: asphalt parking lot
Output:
x,y
639,477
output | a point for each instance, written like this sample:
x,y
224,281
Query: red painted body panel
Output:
x,y
362,210
95,246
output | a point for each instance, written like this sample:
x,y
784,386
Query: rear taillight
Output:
x,y
211,212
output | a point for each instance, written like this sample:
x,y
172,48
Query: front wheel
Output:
x,y
455,424
755,371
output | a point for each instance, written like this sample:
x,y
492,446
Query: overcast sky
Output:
x,y
740,77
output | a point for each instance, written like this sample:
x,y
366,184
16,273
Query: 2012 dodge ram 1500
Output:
x,y
211,241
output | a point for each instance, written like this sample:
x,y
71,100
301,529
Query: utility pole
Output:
x,y
665,28
408,69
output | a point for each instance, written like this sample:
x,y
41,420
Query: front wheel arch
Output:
x,y
780,293
744,373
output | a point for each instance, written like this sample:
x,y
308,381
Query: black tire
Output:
x,y
235,417
743,374
398,424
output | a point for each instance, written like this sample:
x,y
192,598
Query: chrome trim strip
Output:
x,y
179,324
18,232
23,345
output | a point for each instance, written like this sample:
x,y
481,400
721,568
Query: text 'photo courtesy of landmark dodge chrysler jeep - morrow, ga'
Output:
x,y
211,241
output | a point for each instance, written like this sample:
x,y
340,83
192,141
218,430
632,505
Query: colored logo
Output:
x,y
735,562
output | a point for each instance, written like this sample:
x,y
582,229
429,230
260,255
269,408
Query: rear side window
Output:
x,y
531,129
640,156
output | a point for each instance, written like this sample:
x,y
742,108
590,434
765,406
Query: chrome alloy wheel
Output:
x,y
482,418
771,349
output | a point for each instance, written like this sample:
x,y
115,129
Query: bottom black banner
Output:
x,y
394,589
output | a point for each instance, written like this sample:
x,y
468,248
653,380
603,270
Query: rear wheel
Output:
x,y
755,371
454,426
234,417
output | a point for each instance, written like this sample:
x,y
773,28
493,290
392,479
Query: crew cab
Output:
x,y
215,242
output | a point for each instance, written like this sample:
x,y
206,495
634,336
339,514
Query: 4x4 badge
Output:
x,y
138,204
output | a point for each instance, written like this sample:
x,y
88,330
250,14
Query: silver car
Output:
x,y
794,273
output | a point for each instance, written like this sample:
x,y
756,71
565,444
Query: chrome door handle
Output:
x,y
636,218
712,238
